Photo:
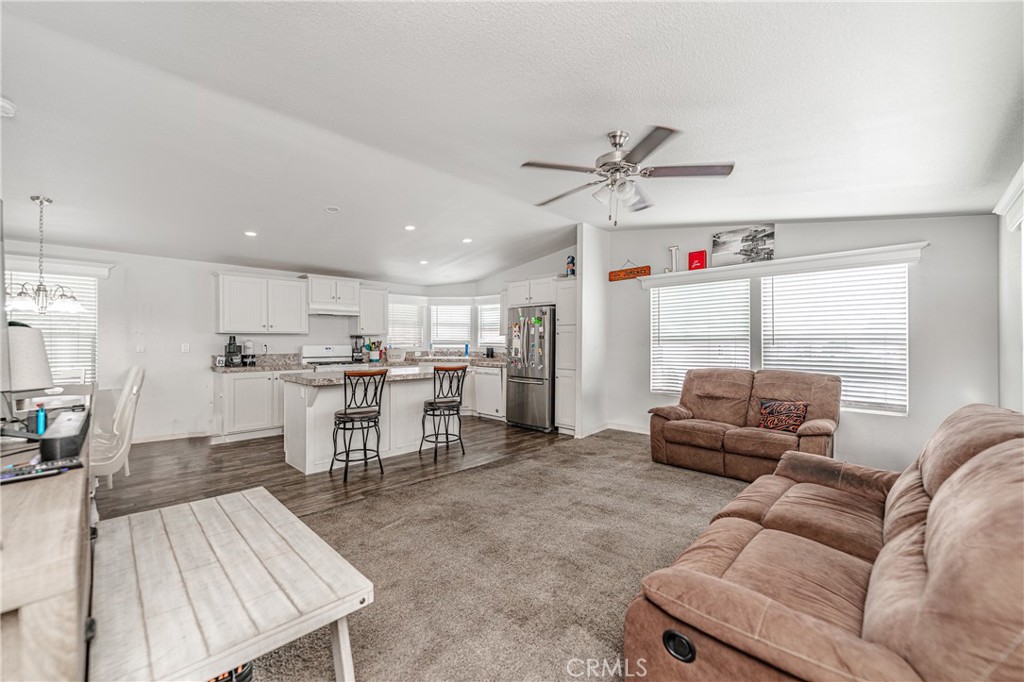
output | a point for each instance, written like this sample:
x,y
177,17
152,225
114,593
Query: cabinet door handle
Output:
x,y
264,326
271,326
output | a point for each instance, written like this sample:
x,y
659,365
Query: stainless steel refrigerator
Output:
x,y
530,389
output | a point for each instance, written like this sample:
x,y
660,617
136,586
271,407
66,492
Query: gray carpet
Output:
x,y
509,570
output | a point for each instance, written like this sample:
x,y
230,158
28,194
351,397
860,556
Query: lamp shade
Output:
x,y
29,366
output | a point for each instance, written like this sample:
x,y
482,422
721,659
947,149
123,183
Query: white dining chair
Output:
x,y
110,444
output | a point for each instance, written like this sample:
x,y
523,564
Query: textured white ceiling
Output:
x,y
171,127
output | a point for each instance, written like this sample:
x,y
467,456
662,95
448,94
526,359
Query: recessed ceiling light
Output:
x,y
249,234
423,262
410,228
331,209
467,240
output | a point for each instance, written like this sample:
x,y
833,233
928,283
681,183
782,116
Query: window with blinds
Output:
x,y
405,324
450,325
70,340
847,322
489,331
698,325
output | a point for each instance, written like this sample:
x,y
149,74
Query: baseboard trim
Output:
x,y
247,435
170,436
645,430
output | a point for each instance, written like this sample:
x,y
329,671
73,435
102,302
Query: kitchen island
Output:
x,y
311,399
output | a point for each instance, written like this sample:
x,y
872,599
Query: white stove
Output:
x,y
327,358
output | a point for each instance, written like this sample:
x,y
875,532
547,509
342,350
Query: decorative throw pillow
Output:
x,y
780,415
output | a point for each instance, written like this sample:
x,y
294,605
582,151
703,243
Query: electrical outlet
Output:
x,y
184,348
140,348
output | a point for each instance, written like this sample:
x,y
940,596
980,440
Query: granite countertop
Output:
x,y
401,373
298,366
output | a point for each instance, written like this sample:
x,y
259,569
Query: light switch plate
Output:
x,y
184,348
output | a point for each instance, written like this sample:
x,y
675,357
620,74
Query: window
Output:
x,y
450,325
847,322
489,328
70,339
405,324
698,325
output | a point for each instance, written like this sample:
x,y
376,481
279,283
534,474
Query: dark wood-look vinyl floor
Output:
x,y
172,472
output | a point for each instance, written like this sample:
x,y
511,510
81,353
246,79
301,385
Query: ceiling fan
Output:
x,y
618,167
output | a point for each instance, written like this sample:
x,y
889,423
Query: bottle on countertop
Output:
x,y
40,419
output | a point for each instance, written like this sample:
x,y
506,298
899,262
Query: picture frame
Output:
x,y
219,361
750,244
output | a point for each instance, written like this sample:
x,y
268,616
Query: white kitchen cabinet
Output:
x,y
287,311
565,302
241,304
490,392
373,312
247,401
565,347
277,383
261,305
469,391
503,303
540,291
518,294
333,295
565,399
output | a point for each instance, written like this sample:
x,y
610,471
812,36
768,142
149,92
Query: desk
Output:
x,y
44,564
189,591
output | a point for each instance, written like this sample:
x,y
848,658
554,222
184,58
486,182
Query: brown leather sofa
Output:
x,y
833,571
714,426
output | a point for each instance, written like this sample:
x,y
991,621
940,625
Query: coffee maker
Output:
x,y
232,353
357,348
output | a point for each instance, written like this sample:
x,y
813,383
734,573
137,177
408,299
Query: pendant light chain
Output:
x,y
42,200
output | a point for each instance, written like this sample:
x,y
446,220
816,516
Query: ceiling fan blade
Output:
x,y
685,171
572,191
653,140
557,166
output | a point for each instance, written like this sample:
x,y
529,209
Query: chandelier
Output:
x,y
38,298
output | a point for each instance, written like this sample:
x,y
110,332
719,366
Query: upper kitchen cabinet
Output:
x,y
565,301
261,305
539,291
373,312
333,295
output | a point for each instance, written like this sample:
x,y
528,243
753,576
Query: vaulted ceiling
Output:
x,y
171,128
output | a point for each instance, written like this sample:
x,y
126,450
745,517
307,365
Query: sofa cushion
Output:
x,y
907,503
718,394
842,520
755,442
820,392
756,499
698,432
963,435
780,415
947,593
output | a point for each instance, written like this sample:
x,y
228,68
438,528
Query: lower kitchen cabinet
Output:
x,y
249,401
490,392
565,399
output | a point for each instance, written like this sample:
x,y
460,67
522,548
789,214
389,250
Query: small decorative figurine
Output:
x,y
570,266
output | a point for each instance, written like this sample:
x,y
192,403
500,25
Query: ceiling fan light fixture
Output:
x,y
603,195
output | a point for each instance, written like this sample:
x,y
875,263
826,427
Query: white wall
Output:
x,y
1011,298
162,303
552,264
953,323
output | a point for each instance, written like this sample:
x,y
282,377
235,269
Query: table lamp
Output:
x,y
29,368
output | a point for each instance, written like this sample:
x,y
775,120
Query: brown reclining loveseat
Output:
x,y
832,571
714,428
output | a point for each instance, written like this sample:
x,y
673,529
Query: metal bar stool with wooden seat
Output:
x,y
363,390
444,406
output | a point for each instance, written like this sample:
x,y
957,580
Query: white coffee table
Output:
x,y
193,590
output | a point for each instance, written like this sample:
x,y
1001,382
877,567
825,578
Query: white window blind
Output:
x,y
450,325
698,325
405,324
489,328
847,322
70,339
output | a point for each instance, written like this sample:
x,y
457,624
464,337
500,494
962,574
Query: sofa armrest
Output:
x,y
672,412
795,642
817,427
802,467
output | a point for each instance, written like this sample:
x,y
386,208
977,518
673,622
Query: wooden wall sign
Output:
x,y
629,273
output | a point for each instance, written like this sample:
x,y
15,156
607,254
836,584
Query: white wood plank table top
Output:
x,y
189,591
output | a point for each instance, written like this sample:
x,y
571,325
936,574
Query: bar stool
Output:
x,y
363,390
447,400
